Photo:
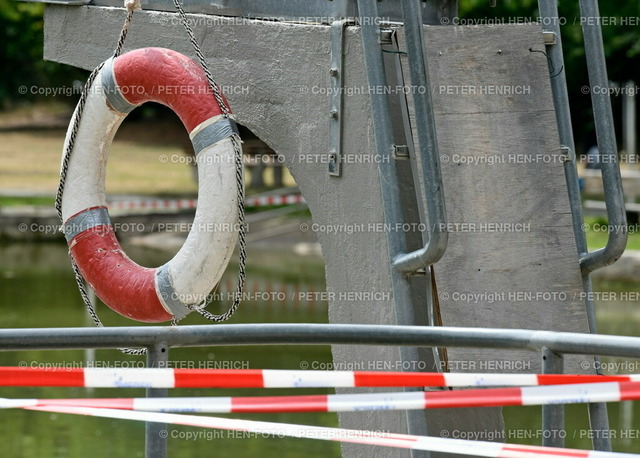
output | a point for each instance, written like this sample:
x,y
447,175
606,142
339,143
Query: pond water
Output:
x,y
37,290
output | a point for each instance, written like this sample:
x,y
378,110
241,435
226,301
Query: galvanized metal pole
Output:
x,y
549,12
317,334
629,119
552,415
156,433
429,158
392,206
612,182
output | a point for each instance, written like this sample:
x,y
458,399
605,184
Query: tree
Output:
x,y
21,33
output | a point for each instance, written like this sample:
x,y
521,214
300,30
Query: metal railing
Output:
x,y
612,181
158,340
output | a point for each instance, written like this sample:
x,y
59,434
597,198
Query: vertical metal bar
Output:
x,y
417,183
612,181
549,11
156,433
599,423
603,116
552,415
392,206
433,194
629,119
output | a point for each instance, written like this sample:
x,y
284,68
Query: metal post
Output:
x,y
156,433
552,415
549,11
392,206
629,119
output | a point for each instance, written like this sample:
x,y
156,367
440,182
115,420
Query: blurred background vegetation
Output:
x,y
22,38
621,36
21,35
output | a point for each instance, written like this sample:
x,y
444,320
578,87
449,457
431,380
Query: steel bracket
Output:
x,y
567,154
550,38
401,152
336,97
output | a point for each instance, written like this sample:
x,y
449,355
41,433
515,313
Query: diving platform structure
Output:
x,y
442,156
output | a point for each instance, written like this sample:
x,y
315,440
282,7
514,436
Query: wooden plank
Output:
x,y
512,260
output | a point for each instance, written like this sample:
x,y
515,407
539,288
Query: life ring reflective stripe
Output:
x,y
140,293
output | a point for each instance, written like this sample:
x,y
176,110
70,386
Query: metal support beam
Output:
x,y
552,415
156,433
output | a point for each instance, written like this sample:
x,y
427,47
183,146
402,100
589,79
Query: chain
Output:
x,y
235,139
64,169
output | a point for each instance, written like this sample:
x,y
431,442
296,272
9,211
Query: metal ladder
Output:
x,y
428,180
553,416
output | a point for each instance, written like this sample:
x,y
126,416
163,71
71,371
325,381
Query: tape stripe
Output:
x,y
184,405
213,133
402,441
167,294
272,378
413,400
87,219
128,378
572,394
112,91
457,379
307,379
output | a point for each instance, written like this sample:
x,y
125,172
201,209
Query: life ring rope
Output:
x,y
214,130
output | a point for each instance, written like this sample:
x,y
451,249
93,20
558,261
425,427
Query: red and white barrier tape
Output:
x,y
404,441
188,204
527,396
268,378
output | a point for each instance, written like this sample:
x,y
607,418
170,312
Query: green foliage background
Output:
x,y
621,36
21,38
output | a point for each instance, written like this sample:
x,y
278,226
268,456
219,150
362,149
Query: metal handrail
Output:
x,y
317,334
429,158
158,341
611,179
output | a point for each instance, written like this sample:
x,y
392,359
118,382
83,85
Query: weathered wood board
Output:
x,y
512,260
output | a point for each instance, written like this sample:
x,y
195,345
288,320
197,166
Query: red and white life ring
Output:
x,y
167,292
